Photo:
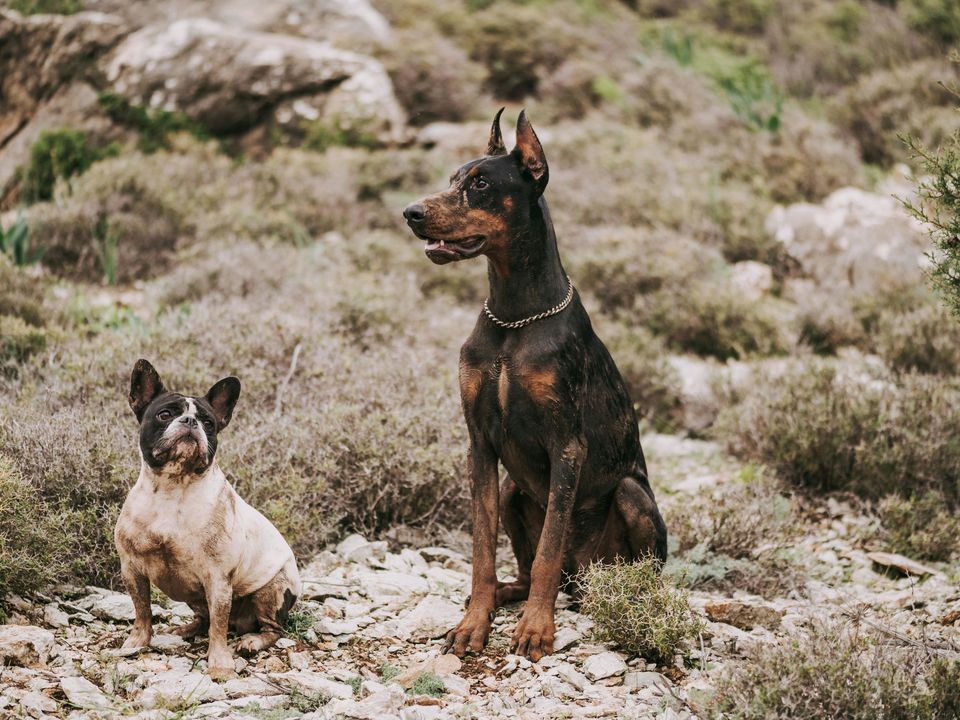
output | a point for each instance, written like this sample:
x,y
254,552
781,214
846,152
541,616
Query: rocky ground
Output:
x,y
365,639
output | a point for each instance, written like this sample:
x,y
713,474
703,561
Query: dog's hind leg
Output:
x,y
198,626
646,533
271,604
522,521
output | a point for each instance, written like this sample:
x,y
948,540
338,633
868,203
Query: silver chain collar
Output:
x,y
533,318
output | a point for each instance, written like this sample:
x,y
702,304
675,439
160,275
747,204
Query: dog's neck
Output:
x,y
173,477
532,280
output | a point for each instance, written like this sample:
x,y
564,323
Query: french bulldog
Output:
x,y
186,530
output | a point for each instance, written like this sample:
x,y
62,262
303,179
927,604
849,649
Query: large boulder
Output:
x,y
854,242
233,80
46,65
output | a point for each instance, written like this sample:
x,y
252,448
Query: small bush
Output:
x,y
631,605
939,209
18,340
925,340
39,7
153,126
21,295
939,19
427,683
839,672
58,154
827,432
920,526
15,243
909,99
739,16
433,77
32,546
516,60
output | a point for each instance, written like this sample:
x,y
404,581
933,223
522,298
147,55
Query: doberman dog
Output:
x,y
541,395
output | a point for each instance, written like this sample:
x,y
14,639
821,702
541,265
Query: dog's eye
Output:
x,y
481,184
164,415
208,424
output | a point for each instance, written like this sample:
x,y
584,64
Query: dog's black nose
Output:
x,y
414,213
190,421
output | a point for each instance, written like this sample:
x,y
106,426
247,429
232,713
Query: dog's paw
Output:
x,y
136,639
190,630
221,673
533,636
255,642
471,634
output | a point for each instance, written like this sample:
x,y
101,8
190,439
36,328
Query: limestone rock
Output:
x,y
854,240
384,704
230,79
83,693
433,617
900,564
174,685
25,645
604,665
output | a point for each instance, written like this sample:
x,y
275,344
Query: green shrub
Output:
x,y
15,243
38,7
516,60
154,127
939,19
32,544
427,683
910,99
18,340
839,672
736,538
926,340
58,154
826,432
739,16
939,208
920,526
632,606
433,77
21,295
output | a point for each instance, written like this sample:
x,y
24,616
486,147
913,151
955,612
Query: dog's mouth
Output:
x,y
444,251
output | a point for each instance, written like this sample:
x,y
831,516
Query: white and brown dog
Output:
x,y
186,530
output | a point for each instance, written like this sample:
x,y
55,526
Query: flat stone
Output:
x,y
37,704
604,665
565,637
745,616
165,641
54,616
900,564
440,665
570,675
433,617
243,687
316,683
637,680
328,626
174,686
25,645
83,693
377,583
384,704
118,607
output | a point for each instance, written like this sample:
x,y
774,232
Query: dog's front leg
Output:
x,y
139,588
533,636
473,630
219,600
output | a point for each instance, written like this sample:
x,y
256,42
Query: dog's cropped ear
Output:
x,y
530,152
495,145
223,397
145,386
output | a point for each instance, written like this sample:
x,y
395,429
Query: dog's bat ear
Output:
x,y
530,152
223,397
145,386
495,145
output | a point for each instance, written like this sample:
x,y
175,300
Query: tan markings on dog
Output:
x,y
470,379
503,387
541,385
507,203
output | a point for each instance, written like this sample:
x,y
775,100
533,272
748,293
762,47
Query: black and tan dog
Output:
x,y
541,395
185,529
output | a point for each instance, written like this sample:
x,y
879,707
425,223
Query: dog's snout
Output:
x,y
415,212
189,421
